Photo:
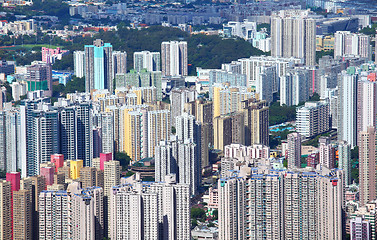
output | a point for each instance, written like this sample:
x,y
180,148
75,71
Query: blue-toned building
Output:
x,y
99,66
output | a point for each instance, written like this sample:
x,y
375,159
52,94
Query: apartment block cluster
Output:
x,y
70,201
59,158
22,27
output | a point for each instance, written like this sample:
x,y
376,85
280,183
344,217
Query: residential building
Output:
x,y
5,213
294,150
158,210
367,172
256,115
178,98
111,175
280,204
326,153
347,106
250,65
119,63
76,130
22,214
50,55
180,158
352,44
360,229
75,167
294,87
228,129
174,58
300,44
98,66
79,63
366,104
39,77
313,119
344,160
147,60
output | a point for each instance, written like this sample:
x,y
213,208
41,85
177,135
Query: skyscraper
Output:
x,y
256,114
267,203
367,165
22,214
294,87
151,211
107,131
352,44
143,78
112,175
76,128
228,129
147,60
326,153
179,158
174,58
39,77
293,34
43,140
313,119
294,150
264,84
347,106
344,156
178,98
99,66
366,103
159,128
5,213
79,63
119,62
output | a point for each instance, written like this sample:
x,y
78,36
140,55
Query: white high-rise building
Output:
x,y
344,156
54,215
265,81
349,44
294,87
82,209
366,103
12,141
159,128
293,34
250,65
268,203
71,215
147,60
178,98
180,158
165,159
79,62
18,89
294,150
107,131
347,106
245,29
313,118
140,210
326,153
174,58
43,139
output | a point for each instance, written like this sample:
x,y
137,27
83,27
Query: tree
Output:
x,y
215,214
76,84
198,214
123,159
